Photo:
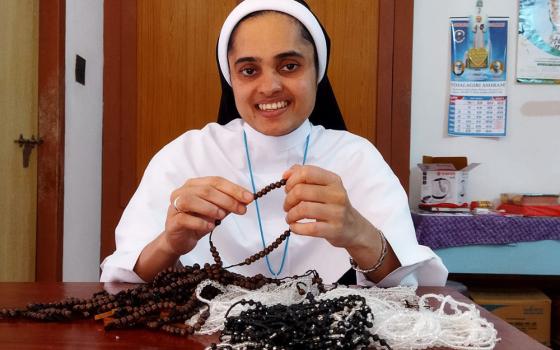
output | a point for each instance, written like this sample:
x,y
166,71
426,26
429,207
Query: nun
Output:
x,y
278,119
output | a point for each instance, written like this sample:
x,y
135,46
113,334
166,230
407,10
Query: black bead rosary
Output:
x,y
340,323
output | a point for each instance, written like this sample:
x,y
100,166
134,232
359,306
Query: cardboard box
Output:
x,y
444,179
527,309
555,328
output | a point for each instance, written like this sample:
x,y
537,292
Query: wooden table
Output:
x,y
88,334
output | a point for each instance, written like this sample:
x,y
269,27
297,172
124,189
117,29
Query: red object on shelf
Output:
x,y
442,205
531,210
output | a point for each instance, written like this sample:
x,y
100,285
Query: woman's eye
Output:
x,y
290,67
248,72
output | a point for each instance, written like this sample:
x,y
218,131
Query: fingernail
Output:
x,y
221,214
242,209
247,196
210,226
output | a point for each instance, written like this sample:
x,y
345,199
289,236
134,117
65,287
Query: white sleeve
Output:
x,y
142,220
378,195
431,271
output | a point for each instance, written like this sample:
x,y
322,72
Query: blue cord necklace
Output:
x,y
257,205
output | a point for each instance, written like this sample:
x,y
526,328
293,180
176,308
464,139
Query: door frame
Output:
x,y
119,108
394,78
50,156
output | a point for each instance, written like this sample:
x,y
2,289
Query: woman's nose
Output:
x,y
270,83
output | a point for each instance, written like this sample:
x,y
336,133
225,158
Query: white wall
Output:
x,y
528,158
82,150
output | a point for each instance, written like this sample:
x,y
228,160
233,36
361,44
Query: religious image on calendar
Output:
x,y
478,74
538,42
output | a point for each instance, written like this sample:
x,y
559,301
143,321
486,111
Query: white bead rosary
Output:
x,y
453,324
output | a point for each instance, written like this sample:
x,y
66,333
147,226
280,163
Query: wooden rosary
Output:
x,y
265,250
170,300
165,303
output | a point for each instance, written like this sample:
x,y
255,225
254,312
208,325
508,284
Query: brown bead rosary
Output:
x,y
170,300
165,303
265,250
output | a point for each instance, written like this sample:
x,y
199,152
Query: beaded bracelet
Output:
x,y
379,261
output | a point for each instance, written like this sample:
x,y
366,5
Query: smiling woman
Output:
x,y
278,119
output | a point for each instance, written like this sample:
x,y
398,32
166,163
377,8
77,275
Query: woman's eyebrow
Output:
x,y
287,54
246,59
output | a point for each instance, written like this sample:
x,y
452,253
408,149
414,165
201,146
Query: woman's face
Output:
x,y
273,73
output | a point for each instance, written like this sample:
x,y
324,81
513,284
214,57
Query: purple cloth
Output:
x,y
444,231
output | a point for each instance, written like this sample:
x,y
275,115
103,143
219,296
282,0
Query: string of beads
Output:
x,y
178,301
340,323
265,251
167,303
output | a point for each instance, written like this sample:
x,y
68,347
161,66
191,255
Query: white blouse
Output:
x,y
218,150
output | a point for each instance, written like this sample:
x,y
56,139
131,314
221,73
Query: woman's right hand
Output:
x,y
195,207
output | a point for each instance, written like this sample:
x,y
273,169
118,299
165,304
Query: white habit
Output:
x,y
218,150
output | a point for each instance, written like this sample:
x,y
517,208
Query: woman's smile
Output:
x,y
272,110
274,106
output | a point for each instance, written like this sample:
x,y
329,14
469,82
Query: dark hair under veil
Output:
x,y
325,112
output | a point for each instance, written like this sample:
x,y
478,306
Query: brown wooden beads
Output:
x,y
269,188
266,250
166,302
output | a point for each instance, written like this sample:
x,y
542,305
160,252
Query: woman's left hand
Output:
x,y
318,194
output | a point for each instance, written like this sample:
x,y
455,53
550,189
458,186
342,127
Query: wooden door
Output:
x,y
31,103
18,108
178,86
161,79
353,29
